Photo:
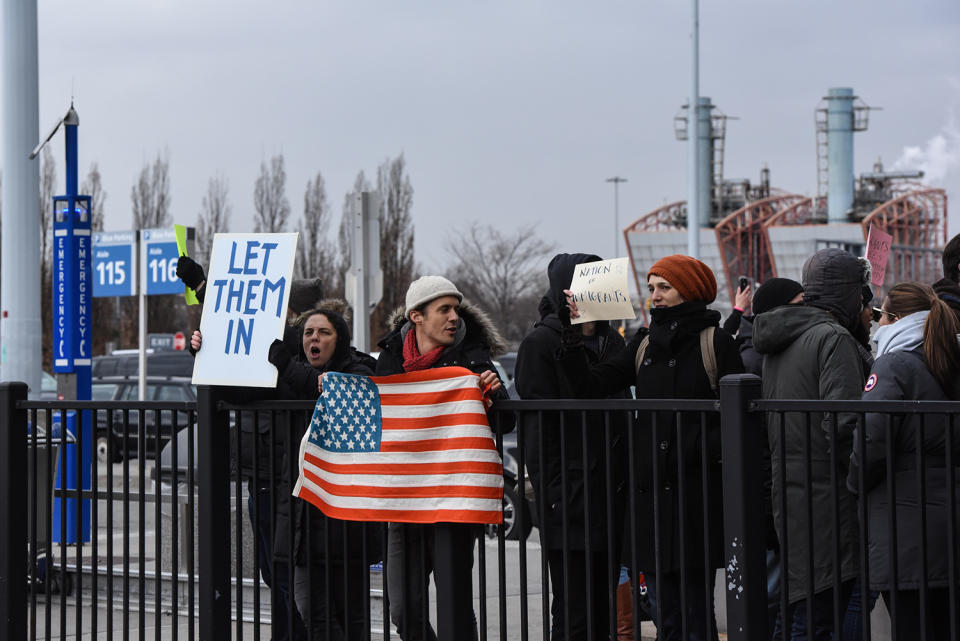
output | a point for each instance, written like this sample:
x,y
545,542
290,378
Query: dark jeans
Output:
x,y
853,619
822,609
570,609
446,551
936,616
698,616
332,602
275,575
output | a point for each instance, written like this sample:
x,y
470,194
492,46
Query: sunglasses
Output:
x,y
880,313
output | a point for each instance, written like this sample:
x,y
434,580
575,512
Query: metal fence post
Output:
x,y
743,509
13,507
213,472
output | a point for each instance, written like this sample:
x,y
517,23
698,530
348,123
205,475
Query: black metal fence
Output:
x,y
187,538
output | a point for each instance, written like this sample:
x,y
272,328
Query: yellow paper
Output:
x,y
181,232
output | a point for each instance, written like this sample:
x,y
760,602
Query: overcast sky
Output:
x,y
507,112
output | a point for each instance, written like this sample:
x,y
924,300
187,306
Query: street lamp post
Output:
x,y
616,180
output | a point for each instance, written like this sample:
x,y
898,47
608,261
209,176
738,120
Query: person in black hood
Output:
x,y
948,287
569,469
684,355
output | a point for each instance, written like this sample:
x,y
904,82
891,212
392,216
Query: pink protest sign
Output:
x,y
878,252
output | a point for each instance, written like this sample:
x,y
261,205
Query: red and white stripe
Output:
x,y
437,462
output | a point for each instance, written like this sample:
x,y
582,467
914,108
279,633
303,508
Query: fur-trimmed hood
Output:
x,y
475,326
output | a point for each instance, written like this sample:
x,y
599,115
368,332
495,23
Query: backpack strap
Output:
x,y
709,356
640,351
707,352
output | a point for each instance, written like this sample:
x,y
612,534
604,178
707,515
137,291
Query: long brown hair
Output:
x,y
940,348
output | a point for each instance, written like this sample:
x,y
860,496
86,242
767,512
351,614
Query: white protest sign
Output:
x,y
601,291
244,308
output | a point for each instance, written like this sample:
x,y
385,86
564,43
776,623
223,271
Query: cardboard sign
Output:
x,y
878,252
601,291
245,308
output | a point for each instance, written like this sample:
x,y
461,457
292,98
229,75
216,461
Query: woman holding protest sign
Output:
x,y
331,556
683,356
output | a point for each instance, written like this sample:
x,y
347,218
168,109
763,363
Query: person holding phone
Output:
x,y
742,301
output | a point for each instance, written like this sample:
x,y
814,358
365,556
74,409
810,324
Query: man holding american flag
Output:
x,y
437,330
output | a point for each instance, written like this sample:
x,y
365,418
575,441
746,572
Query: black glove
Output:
x,y
190,272
279,355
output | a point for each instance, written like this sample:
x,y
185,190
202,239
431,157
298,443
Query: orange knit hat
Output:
x,y
690,277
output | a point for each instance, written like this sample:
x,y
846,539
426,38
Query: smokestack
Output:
x,y
840,150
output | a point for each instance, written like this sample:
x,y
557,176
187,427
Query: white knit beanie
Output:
x,y
427,288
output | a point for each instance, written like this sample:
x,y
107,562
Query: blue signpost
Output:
x,y
114,264
159,264
72,336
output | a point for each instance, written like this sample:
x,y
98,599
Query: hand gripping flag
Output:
x,y
409,448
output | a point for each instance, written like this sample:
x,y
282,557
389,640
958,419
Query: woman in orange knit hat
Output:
x,y
682,355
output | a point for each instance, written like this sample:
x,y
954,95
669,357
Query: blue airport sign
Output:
x,y
114,267
158,265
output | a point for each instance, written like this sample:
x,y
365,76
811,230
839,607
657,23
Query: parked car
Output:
x,y
513,507
48,387
125,388
508,362
127,363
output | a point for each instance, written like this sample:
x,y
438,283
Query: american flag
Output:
x,y
409,448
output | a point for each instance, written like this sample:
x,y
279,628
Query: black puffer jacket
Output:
x,y
903,375
672,367
538,376
299,380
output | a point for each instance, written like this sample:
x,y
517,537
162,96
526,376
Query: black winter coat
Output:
x,y
672,368
538,376
903,375
325,534
752,361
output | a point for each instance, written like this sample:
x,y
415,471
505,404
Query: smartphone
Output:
x,y
744,283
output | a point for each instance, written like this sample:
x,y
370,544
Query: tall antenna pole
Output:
x,y
693,182
616,180
20,347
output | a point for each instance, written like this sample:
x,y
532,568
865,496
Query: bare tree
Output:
x,y
314,251
214,216
93,187
396,237
507,271
270,197
105,310
345,235
150,195
48,185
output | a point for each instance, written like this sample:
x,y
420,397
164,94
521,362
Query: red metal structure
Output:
x,y
743,240
917,220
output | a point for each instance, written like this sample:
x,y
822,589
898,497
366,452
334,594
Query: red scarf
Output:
x,y
413,360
